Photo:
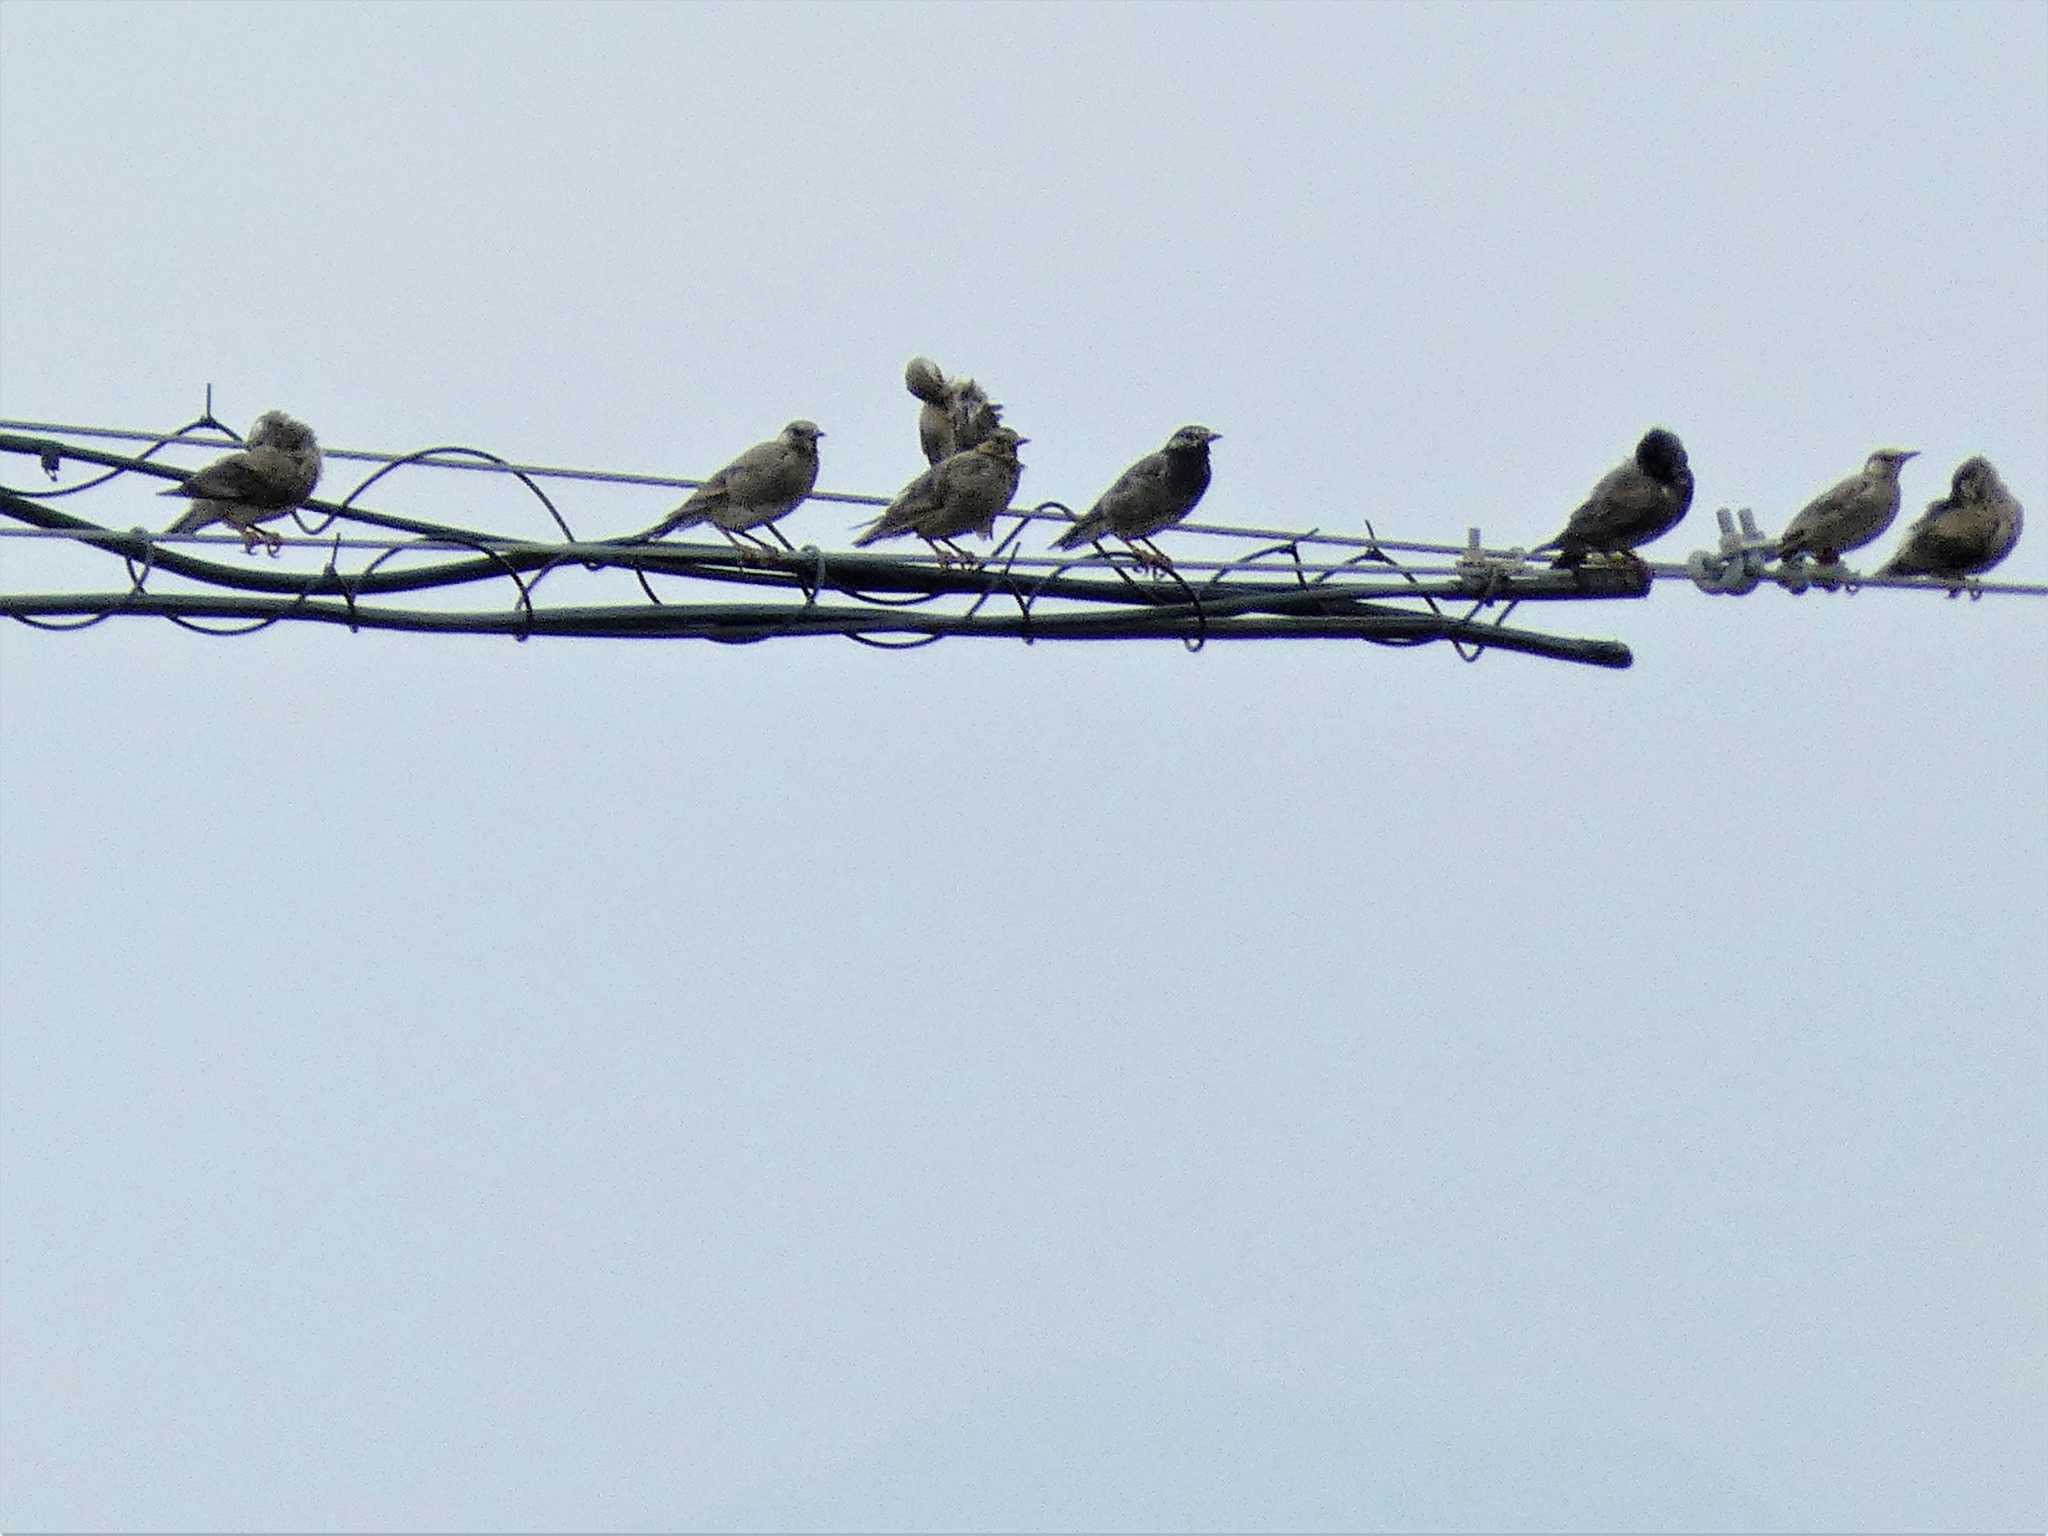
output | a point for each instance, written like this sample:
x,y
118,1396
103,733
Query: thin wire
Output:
x,y
609,552
673,482
1044,512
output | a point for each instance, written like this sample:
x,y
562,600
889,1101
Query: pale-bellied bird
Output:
x,y
1850,514
274,471
956,496
768,481
1969,532
1151,496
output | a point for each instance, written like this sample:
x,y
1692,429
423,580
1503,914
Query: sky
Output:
x,y
454,1083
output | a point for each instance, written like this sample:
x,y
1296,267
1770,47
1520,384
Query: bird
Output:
x,y
1635,502
1966,534
1152,495
1852,513
274,471
957,413
766,482
958,495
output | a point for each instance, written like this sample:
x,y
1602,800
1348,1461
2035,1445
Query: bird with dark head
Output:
x,y
1849,514
1638,500
956,415
1967,533
274,471
767,482
1158,491
957,496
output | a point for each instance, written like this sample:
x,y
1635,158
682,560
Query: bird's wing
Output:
x,y
1621,503
700,503
256,477
1812,522
765,473
974,487
1137,495
1949,538
915,502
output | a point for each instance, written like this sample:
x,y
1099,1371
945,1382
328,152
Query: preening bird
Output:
x,y
768,481
1967,533
274,471
1635,502
1851,514
957,414
959,495
1151,496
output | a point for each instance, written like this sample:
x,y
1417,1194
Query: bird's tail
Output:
x,y
669,524
194,517
1081,531
922,378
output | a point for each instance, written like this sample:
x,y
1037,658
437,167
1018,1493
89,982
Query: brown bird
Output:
x,y
1151,496
1850,514
1966,534
1635,502
274,471
957,414
959,495
768,481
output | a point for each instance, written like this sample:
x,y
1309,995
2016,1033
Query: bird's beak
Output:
x,y
1215,437
1908,453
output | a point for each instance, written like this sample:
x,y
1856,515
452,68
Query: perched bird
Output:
x,y
1970,532
274,471
766,482
958,495
1851,514
1634,502
957,413
1149,497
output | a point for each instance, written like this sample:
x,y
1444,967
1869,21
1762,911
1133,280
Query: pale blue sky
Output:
x,y
460,1084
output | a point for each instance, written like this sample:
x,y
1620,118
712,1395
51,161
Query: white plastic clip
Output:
x,y
1738,565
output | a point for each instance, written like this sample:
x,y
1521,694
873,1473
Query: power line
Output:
x,y
1273,591
1795,577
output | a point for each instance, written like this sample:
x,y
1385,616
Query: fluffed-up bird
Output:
x,y
1966,534
957,414
1151,496
957,496
274,471
1635,502
767,482
1850,514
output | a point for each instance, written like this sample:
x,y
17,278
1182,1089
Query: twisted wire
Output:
x,y
1360,589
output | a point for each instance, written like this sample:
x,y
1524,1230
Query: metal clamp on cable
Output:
x,y
1479,573
1739,564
